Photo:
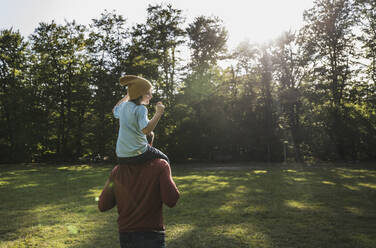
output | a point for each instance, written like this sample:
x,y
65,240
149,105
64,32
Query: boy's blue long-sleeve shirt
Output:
x,y
132,119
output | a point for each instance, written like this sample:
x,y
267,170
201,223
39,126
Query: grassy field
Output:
x,y
246,206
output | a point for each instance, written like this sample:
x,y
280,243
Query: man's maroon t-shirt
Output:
x,y
139,192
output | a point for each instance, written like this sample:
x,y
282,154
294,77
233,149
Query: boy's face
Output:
x,y
146,98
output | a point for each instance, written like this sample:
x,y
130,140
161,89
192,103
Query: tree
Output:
x,y
155,54
366,92
367,37
107,47
15,137
289,70
59,73
267,112
155,48
207,41
328,37
245,83
201,96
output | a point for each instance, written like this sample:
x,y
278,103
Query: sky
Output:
x,y
257,21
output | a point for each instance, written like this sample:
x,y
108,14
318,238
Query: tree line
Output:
x,y
308,95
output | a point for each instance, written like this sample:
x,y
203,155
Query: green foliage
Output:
x,y
60,74
155,48
15,109
313,88
107,48
207,41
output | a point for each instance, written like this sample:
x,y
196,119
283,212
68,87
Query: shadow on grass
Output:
x,y
274,208
271,207
51,206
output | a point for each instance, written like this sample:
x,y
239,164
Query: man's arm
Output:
x,y
107,198
169,192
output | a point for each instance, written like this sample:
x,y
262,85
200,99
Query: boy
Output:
x,y
132,146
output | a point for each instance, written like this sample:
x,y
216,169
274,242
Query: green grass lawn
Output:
x,y
271,206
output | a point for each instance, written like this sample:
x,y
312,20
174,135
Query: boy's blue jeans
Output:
x,y
142,240
150,154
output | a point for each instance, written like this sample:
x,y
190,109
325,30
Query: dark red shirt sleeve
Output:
x,y
169,192
107,198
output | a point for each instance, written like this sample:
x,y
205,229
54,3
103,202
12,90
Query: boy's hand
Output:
x,y
159,108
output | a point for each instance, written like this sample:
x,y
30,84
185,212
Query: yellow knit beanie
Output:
x,y
137,86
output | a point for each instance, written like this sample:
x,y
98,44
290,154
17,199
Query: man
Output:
x,y
139,192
